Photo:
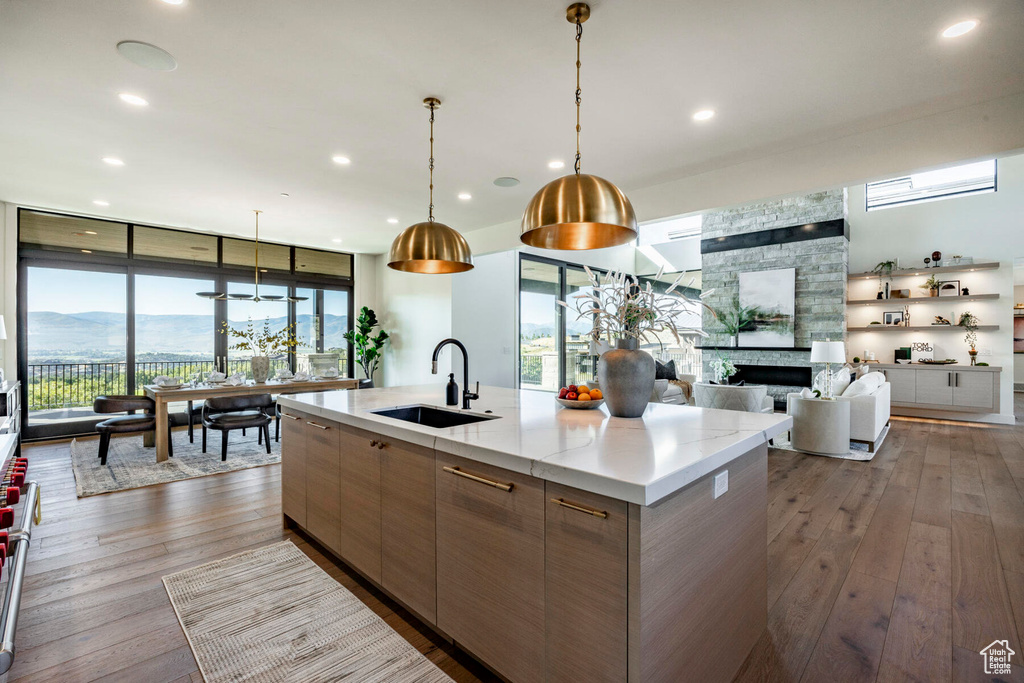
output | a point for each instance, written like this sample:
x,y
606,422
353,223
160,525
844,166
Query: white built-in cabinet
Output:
x,y
945,387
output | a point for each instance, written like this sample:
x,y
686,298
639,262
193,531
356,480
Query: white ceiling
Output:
x,y
266,92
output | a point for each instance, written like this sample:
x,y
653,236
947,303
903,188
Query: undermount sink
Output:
x,y
429,416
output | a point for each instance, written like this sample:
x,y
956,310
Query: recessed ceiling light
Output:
x,y
336,240
113,161
100,202
87,251
133,99
393,220
285,194
506,181
147,56
960,28
344,161
174,2
703,114
555,165
465,196
91,232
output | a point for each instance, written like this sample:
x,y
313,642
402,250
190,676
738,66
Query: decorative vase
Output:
x,y
974,356
366,384
734,340
260,368
934,291
627,378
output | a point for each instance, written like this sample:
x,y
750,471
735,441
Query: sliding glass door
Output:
x,y
554,343
76,346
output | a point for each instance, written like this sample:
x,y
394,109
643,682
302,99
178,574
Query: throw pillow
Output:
x,y
664,370
866,385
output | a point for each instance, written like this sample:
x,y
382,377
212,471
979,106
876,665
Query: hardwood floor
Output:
x,y
901,568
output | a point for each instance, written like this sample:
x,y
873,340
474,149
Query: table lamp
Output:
x,y
828,352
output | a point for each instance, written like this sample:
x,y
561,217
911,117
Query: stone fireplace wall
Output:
x,y
821,269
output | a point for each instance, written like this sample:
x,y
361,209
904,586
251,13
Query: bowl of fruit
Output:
x,y
580,397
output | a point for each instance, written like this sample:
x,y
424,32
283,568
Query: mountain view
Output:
x,y
80,337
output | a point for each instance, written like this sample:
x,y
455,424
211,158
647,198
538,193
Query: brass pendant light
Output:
x,y
430,247
578,211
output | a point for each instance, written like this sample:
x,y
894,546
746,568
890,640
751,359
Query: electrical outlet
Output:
x,y
721,483
985,352
506,350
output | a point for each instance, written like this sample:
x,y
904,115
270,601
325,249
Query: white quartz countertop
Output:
x,y
638,460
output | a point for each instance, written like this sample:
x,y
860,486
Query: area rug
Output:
x,y
130,465
272,615
858,451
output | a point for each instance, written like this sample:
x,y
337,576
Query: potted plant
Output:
x,y
969,321
723,369
627,313
262,343
733,319
884,271
932,285
366,344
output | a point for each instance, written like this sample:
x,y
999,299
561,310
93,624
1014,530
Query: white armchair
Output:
x,y
748,398
666,392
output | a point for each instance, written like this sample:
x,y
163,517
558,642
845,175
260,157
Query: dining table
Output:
x,y
162,396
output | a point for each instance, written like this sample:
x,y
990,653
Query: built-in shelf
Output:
x,y
920,328
911,272
922,300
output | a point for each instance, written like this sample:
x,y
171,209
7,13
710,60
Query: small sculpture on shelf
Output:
x,y
936,257
906,316
965,291
939,320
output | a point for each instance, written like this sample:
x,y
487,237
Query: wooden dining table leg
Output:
x,y
161,429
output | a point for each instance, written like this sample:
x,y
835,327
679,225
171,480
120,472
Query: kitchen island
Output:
x,y
552,544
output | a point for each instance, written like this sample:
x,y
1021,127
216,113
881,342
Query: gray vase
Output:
x,y
260,368
626,376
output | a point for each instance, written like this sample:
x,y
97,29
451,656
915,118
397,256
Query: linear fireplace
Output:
x,y
778,375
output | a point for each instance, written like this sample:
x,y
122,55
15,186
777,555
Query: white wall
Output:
x,y
1018,358
484,306
8,287
416,310
989,227
364,285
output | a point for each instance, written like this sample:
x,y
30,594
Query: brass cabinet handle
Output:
x,y
579,508
314,424
472,477
290,417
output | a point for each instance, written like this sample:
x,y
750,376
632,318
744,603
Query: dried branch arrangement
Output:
x,y
622,309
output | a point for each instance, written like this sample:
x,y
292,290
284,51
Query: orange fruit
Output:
x,y
583,397
596,394
582,389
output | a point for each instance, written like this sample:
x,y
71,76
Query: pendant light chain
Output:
x,y
431,211
579,35
257,278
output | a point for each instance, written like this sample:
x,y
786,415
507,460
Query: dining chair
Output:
x,y
128,423
227,413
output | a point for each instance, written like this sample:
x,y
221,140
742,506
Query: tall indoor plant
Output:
x,y
627,313
366,344
969,322
262,343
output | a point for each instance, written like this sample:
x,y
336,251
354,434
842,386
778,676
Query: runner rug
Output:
x,y
272,615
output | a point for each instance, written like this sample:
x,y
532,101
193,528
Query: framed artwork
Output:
x,y
949,288
892,318
769,299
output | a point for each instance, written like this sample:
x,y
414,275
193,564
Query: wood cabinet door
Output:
x,y
935,387
359,501
973,389
490,564
323,479
408,564
902,385
586,560
293,466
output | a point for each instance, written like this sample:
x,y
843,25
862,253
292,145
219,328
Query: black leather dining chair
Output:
x,y
129,423
236,412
